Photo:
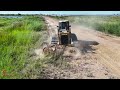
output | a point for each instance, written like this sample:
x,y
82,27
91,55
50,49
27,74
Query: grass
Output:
x,y
107,24
17,36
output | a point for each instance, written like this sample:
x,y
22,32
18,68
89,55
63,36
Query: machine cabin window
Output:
x,y
64,25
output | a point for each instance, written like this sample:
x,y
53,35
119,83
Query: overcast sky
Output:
x,y
62,12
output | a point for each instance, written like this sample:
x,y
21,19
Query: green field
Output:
x,y
17,37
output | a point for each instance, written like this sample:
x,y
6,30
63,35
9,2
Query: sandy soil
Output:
x,y
89,61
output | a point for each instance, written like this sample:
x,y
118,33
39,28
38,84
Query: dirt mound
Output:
x,y
72,52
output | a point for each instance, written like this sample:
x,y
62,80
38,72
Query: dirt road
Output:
x,y
100,61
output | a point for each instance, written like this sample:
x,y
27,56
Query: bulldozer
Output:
x,y
64,33
63,37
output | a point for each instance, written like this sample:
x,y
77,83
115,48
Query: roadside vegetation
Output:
x,y
17,37
107,24
59,17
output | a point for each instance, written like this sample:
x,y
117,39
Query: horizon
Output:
x,y
63,12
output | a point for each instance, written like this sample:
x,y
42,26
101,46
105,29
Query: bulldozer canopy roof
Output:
x,y
64,21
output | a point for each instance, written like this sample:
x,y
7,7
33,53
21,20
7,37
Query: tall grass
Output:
x,y
17,36
107,24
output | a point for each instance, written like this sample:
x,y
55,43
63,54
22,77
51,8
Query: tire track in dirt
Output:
x,y
109,60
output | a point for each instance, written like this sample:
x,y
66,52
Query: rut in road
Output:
x,y
95,61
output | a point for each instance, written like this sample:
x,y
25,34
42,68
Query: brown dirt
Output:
x,y
96,55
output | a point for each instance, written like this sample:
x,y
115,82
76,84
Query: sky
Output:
x,y
62,12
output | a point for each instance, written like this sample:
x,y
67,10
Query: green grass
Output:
x,y
17,36
107,24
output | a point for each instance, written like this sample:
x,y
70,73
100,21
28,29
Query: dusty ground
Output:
x,y
89,61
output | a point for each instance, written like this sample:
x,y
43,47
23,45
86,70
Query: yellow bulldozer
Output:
x,y
64,34
63,37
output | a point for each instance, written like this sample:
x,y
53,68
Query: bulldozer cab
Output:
x,y
64,25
